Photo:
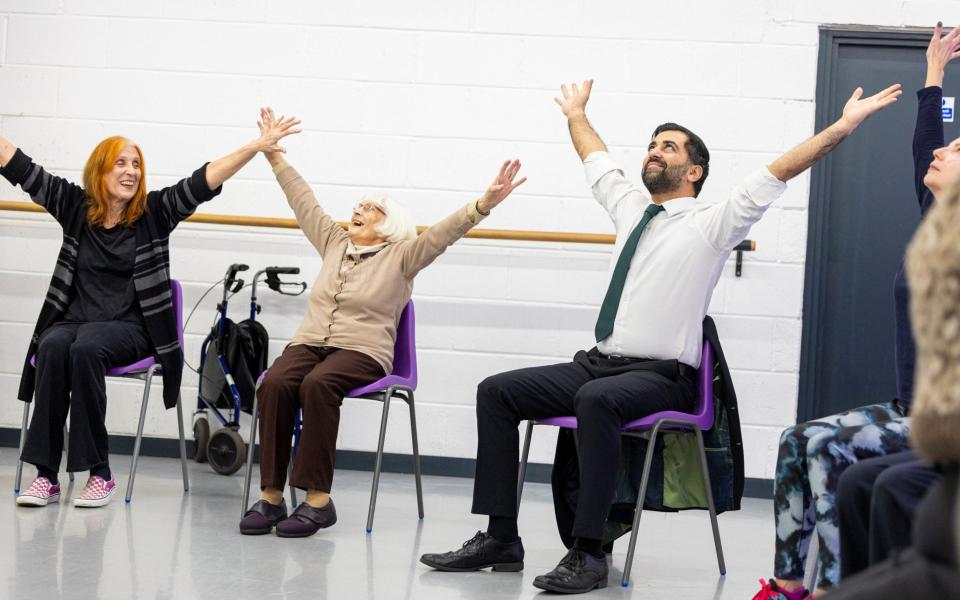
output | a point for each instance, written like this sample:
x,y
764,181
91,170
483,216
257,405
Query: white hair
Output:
x,y
397,225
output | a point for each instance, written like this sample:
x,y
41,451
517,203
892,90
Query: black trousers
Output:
x,y
928,569
72,360
876,502
603,393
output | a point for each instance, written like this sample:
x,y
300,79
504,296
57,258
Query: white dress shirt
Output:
x,y
677,262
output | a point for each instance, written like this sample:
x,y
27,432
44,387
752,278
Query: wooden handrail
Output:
x,y
482,234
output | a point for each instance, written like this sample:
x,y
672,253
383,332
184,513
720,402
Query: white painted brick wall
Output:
x,y
423,99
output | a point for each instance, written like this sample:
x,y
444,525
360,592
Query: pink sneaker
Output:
x,y
96,493
40,493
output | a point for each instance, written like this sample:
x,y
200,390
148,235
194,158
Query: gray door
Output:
x,y
863,212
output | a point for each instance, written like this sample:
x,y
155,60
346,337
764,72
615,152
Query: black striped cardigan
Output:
x,y
67,203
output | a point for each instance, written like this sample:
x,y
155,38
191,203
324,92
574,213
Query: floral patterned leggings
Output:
x,y
811,458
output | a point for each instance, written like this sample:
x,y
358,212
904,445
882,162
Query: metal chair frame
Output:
x,y
674,421
143,370
384,395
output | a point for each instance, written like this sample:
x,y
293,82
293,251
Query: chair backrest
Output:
x,y
405,348
703,409
176,291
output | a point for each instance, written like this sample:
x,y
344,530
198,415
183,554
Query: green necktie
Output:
x,y
608,310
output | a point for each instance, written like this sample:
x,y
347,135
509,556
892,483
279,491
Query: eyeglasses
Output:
x,y
367,207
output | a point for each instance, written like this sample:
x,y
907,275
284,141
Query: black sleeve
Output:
x,y
927,137
55,194
177,202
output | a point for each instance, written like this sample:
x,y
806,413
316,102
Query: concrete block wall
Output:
x,y
423,99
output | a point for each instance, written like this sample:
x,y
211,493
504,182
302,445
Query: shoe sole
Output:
x,y
297,535
256,531
560,590
305,534
500,567
83,503
36,501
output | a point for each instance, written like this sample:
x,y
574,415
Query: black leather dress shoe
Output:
x,y
479,552
307,520
577,573
261,517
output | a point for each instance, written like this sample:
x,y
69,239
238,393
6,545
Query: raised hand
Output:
x,y
574,102
941,50
272,130
857,108
501,187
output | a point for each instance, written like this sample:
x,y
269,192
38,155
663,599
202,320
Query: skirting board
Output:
x,y
358,460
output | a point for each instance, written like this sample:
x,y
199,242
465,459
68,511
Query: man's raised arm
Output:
x,y
574,105
855,111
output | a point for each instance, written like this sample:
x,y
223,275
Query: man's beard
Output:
x,y
667,179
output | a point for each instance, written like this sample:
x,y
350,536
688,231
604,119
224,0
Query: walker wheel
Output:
x,y
226,451
201,437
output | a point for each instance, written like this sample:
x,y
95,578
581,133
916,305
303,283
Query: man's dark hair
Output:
x,y
697,152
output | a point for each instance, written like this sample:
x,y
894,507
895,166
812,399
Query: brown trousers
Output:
x,y
313,380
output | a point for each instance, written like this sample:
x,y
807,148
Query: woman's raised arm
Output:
x,y
271,133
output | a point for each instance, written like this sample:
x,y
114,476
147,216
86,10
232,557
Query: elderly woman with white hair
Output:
x,y
346,338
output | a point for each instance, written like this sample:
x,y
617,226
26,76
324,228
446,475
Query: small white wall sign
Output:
x,y
946,108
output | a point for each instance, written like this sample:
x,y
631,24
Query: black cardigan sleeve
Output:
x,y
57,195
177,202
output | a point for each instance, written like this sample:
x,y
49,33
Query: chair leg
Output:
x,y
23,440
638,510
416,455
293,490
183,445
136,442
379,461
713,510
66,444
297,424
249,473
522,471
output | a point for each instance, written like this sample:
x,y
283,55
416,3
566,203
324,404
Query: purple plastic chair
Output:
x,y
400,383
699,421
144,370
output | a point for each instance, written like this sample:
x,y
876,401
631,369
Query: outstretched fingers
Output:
x,y
888,96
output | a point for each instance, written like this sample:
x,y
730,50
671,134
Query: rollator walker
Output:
x,y
232,356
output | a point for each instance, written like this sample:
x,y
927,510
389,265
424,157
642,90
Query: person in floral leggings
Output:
x,y
813,455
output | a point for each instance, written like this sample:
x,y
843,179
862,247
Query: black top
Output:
x,y
927,137
67,203
104,285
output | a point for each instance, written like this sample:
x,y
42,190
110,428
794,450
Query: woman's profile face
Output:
x,y
123,179
363,221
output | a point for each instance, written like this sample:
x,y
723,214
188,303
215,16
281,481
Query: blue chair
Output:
x,y
144,370
700,420
400,383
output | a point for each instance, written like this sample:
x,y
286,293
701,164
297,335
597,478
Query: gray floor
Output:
x,y
166,544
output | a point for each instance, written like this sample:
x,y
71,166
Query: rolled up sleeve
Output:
x,y
727,223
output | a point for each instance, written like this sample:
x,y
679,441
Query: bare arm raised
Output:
x,y
226,167
802,156
574,105
941,50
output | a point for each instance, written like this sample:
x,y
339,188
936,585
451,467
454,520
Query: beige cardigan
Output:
x,y
933,269
355,302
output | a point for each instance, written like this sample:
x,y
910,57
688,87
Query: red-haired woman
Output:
x,y
109,301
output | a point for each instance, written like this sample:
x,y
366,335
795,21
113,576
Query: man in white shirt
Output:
x,y
669,252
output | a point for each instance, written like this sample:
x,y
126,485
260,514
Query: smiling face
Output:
x,y
944,171
363,221
123,179
666,167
